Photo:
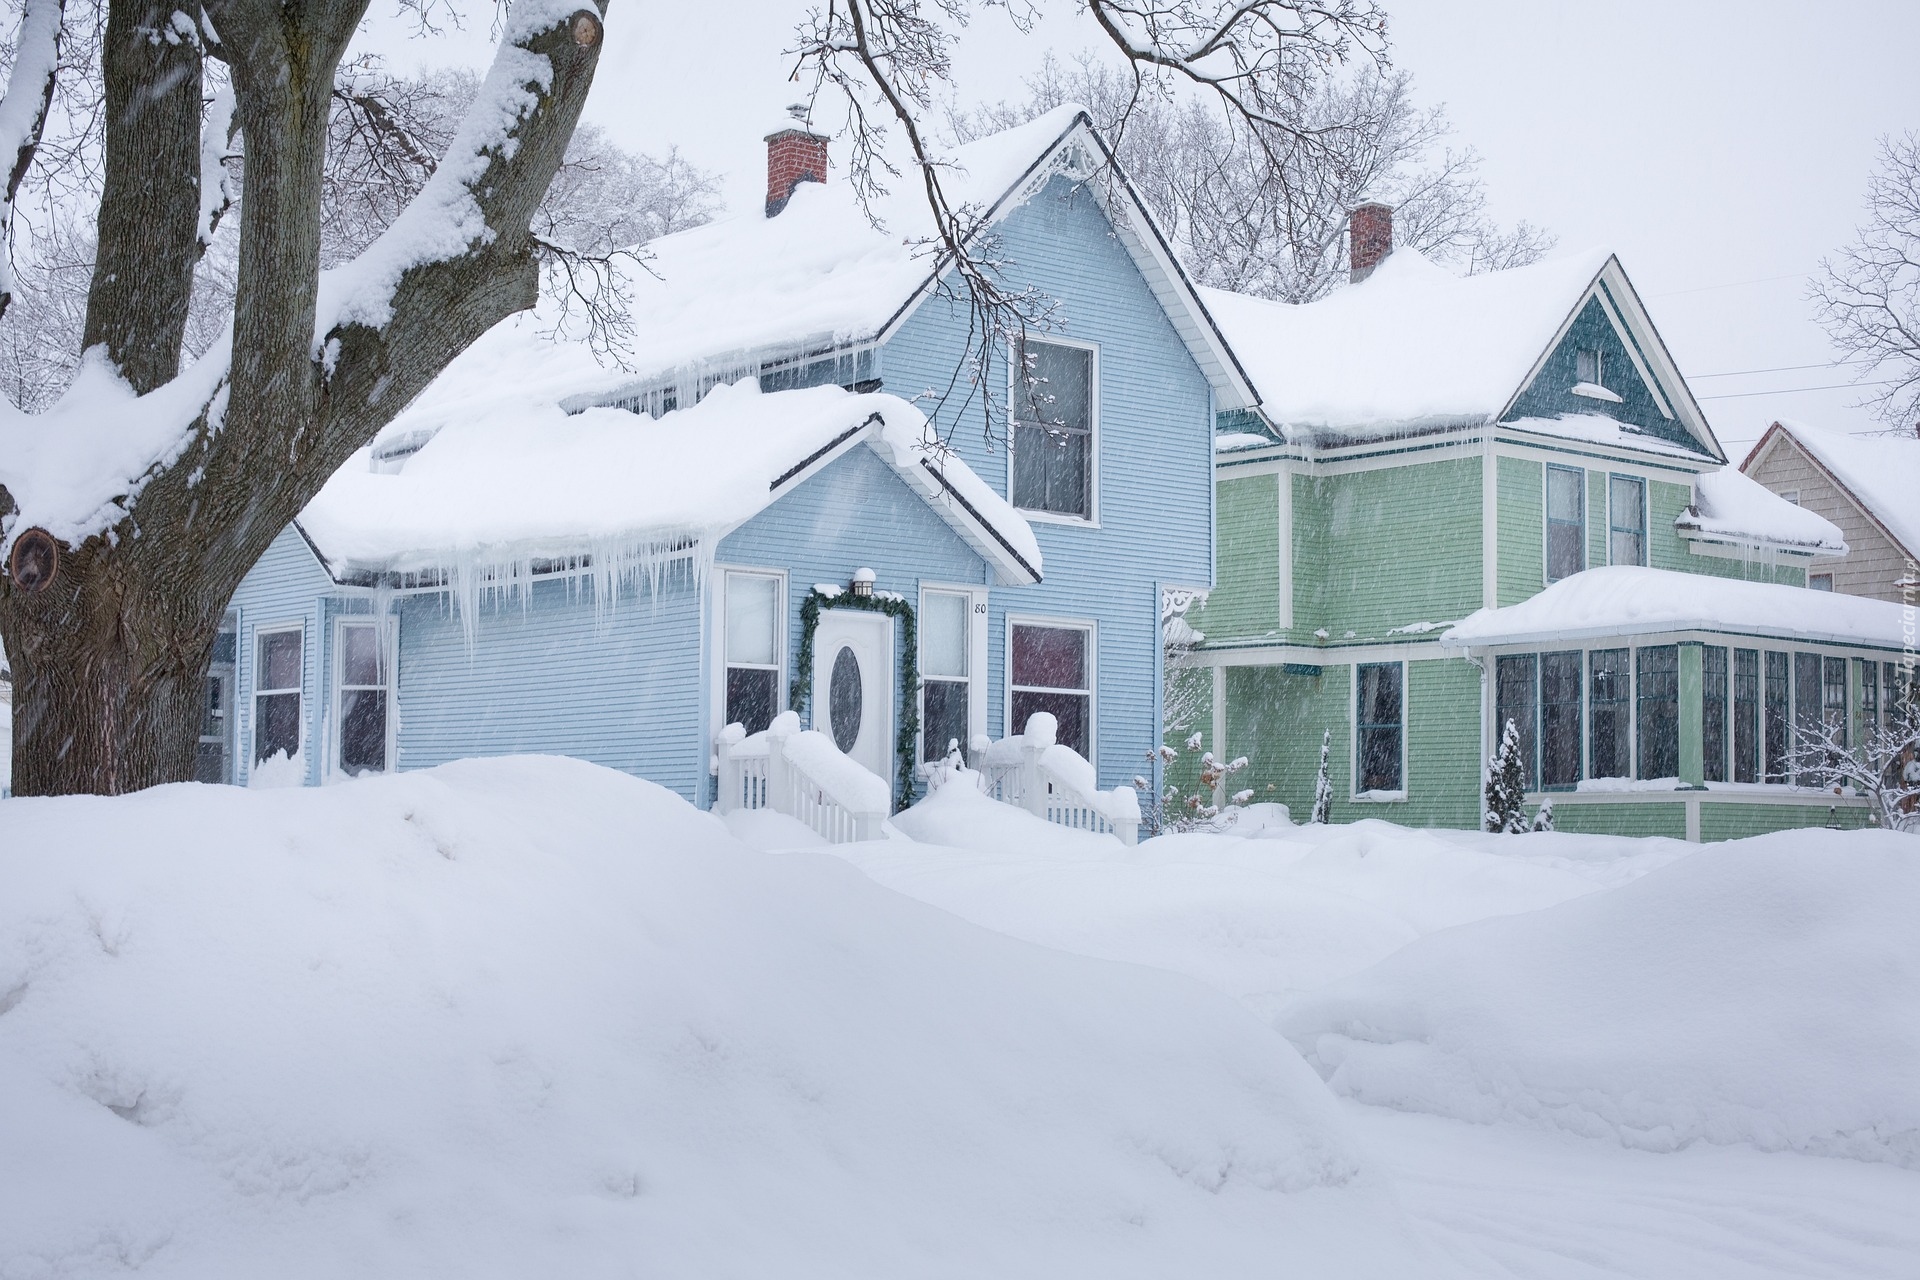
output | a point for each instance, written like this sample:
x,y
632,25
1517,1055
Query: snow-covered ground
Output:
x,y
528,1016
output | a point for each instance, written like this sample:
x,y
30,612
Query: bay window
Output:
x,y
278,667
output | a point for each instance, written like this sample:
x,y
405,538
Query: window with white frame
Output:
x,y
752,644
361,697
1626,520
1379,727
1053,425
1052,670
1566,522
945,672
1589,366
278,666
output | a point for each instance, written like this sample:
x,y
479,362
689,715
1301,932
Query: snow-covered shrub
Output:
x,y
1323,783
1543,820
1506,785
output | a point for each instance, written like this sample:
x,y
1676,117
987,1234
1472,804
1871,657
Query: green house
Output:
x,y
1465,501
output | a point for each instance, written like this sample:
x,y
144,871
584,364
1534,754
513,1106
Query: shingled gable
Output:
x,y
1413,349
747,293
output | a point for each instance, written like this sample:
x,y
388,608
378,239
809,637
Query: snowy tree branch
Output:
x,y
23,114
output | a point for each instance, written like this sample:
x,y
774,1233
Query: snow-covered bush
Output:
x,y
1323,783
1506,785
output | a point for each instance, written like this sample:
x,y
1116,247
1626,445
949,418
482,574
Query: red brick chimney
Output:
x,y
794,156
1369,238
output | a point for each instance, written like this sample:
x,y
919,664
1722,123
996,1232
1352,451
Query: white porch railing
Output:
x,y
1055,782
802,774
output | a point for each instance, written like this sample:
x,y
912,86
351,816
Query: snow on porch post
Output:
x,y
779,778
1040,733
1693,718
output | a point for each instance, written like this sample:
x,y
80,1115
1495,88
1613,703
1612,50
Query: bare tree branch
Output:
x,y
1868,296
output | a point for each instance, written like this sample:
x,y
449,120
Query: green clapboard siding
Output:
x,y
1388,548
1246,603
1523,515
1738,821
1443,747
1275,719
1666,549
1659,818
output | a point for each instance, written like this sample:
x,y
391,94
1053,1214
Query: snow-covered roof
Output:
x,y
1415,346
1617,601
1732,507
1881,472
820,274
509,478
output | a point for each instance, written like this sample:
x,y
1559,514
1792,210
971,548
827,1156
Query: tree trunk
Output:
x,y
109,658
107,677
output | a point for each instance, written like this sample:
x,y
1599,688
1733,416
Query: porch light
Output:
x,y
862,583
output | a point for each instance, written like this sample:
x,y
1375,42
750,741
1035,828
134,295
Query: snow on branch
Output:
x,y
1882,763
217,188
23,113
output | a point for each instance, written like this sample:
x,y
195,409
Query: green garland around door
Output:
x,y
801,691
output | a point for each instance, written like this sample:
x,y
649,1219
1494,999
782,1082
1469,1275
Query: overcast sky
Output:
x,y
1719,148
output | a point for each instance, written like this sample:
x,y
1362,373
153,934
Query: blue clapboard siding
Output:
x,y
855,512
1155,477
286,586
618,685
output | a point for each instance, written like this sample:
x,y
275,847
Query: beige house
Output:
x,y
1868,485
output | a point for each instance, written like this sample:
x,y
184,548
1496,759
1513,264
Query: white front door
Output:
x,y
853,685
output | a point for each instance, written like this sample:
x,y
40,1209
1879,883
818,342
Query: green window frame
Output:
x,y
1626,520
1566,507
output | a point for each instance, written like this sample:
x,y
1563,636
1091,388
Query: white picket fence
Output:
x,y
802,774
1055,782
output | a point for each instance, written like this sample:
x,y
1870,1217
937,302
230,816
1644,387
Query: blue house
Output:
x,y
812,488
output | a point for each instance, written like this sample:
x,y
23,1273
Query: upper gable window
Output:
x,y
1053,429
1588,367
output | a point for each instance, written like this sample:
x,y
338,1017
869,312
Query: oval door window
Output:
x,y
843,699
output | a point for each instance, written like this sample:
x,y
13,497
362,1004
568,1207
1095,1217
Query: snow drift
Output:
x,y
528,1016
1764,992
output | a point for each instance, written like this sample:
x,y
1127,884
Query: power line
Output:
x,y
1779,368
1787,391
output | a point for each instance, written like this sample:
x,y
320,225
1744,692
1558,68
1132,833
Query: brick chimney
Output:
x,y
1369,238
794,156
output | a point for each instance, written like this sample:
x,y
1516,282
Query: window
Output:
x,y
1713,723
1566,522
1053,413
1833,700
362,711
1052,671
1820,581
1806,708
213,753
1658,705
1588,366
1791,495
1514,685
1609,699
1746,715
276,693
1776,717
752,649
1560,719
944,671
1378,718
1626,520
1870,694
